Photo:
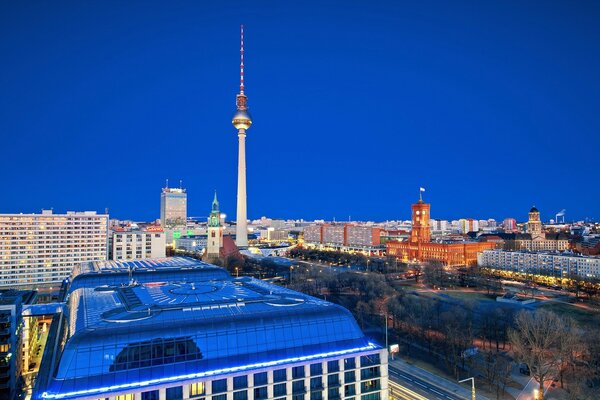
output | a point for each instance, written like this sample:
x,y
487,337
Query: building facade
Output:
x,y
419,247
137,244
42,249
344,237
556,265
537,240
173,207
11,341
200,333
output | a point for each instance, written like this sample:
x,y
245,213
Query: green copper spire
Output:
x,y
215,204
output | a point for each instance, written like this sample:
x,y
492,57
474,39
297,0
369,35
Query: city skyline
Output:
x,y
365,107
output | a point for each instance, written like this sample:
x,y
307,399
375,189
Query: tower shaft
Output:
x,y
241,218
241,121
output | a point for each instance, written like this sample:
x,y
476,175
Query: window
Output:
x,y
316,395
298,397
372,396
333,393
260,393
368,373
333,380
129,396
241,395
260,379
175,393
349,390
197,389
298,387
279,375
219,386
370,386
333,366
316,383
298,372
371,359
240,382
350,363
316,369
151,395
280,389
220,397
349,376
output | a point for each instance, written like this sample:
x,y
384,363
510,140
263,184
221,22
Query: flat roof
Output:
x,y
121,330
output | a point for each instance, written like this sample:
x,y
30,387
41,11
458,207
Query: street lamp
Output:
x,y
237,272
472,386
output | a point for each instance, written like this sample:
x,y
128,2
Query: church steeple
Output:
x,y
215,216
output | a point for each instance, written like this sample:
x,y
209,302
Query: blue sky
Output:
x,y
491,106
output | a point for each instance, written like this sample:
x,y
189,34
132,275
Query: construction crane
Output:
x,y
560,214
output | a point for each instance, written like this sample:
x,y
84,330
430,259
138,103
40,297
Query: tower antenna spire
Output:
x,y
242,59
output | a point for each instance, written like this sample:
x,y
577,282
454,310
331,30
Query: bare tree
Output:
x,y
536,340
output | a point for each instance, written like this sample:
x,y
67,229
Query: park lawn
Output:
x,y
582,316
456,294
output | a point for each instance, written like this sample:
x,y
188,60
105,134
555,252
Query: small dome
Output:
x,y
533,209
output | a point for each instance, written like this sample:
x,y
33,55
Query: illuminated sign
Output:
x,y
176,235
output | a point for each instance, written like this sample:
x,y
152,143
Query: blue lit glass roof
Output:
x,y
199,319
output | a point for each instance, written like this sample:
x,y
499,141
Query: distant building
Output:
x,y
137,244
510,225
11,341
173,207
344,237
555,265
419,247
467,225
42,249
537,240
189,330
193,244
439,226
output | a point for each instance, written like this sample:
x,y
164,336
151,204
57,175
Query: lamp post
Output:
x,y
472,386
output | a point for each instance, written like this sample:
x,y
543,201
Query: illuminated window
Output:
x,y
129,396
197,389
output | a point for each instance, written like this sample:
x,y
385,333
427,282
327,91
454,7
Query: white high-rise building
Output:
x,y
173,207
42,249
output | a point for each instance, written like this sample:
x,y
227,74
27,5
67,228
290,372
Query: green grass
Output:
x,y
582,316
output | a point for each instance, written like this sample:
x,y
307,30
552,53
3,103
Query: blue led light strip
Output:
x,y
141,384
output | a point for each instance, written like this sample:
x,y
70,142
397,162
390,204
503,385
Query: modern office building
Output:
x,y
557,265
179,328
173,207
137,244
42,249
419,247
11,341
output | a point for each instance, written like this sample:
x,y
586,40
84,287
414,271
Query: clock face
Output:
x,y
418,212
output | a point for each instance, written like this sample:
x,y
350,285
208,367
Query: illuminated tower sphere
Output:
x,y
534,225
421,231
242,121
214,240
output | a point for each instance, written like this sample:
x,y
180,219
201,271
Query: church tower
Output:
x,y
534,225
215,232
421,231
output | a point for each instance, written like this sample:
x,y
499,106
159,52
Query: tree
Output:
x,y
536,340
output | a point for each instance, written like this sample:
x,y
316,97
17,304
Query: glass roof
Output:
x,y
159,325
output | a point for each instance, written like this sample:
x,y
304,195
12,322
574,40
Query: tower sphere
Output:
x,y
241,120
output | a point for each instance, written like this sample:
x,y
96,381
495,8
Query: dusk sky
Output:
x,y
491,106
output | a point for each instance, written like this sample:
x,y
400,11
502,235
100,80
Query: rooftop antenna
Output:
x,y
181,184
242,59
167,184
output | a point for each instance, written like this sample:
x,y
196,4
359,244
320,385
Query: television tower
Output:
x,y
241,121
